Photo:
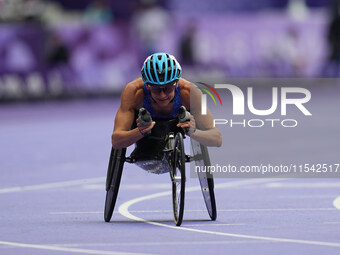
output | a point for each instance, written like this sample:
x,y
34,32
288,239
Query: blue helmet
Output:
x,y
160,69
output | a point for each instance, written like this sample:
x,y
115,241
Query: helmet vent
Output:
x,y
160,69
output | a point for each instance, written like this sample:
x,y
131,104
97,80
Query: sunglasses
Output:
x,y
157,89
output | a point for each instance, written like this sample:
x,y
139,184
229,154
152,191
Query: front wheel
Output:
x,y
205,178
178,179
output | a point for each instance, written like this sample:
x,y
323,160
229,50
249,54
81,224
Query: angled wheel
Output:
x,y
178,179
201,157
114,174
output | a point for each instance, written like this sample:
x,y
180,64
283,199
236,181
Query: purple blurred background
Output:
x,y
61,47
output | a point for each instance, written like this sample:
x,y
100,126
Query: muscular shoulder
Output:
x,y
133,94
186,87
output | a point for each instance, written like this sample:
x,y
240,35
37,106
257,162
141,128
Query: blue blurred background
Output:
x,y
58,48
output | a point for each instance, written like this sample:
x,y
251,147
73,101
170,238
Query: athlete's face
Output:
x,y
163,94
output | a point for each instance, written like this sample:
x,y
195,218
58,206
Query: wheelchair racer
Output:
x,y
161,91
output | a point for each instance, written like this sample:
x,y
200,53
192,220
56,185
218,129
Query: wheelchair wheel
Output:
x,y
207,187
114,174
178,179
205,178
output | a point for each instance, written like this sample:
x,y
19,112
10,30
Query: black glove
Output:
x,y
184,116
144,118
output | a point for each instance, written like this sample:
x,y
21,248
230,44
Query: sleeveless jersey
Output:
x,y
177,103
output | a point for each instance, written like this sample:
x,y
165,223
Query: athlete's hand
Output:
x,y
144,129
189,127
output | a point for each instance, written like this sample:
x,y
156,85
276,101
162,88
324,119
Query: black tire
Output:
x,y
178,179
206,179
114,175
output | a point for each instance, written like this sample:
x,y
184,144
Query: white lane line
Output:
x,y
242,210
73,213
331,223
131,186
83,182
124,210
214,224
305,196
160,243
53,185
90,183
74,250
277,209
195,211
336,203
303,185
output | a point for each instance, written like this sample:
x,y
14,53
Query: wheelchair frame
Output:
x,y
175,154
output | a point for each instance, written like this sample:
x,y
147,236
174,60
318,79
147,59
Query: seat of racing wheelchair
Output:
x,y
151,147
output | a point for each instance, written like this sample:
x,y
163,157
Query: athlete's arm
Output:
x,y
122,136
202,125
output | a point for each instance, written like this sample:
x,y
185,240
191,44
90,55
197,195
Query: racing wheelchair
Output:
x,y
160,152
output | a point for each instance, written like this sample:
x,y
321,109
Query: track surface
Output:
x,y
53,162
